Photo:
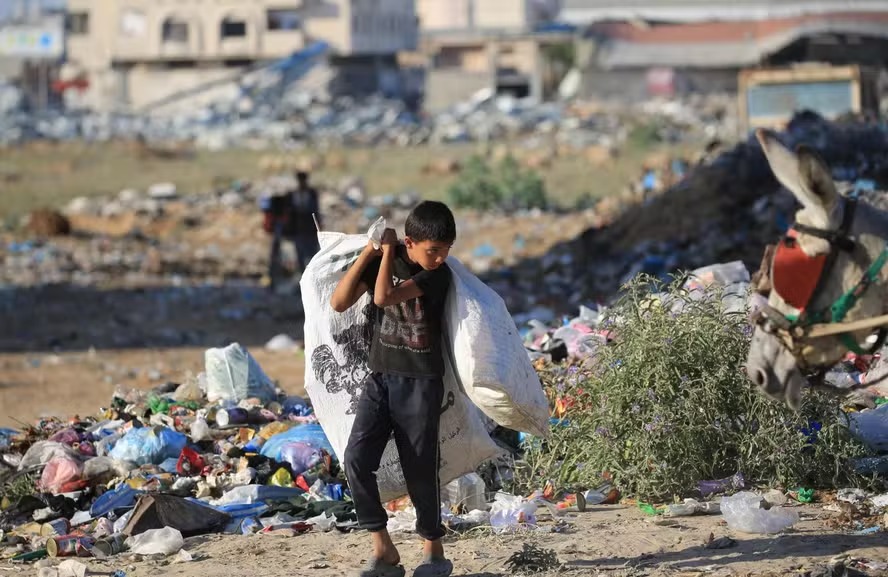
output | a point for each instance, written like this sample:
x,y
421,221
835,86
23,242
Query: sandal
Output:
x,y
434,567
379,568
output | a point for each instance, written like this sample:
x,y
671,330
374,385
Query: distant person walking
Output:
x,y
291,217
306,209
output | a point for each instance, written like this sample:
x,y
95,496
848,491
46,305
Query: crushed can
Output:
x,y
69,546
55,528
233,416
111,545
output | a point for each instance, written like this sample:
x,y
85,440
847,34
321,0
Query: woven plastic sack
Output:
x,y
489,356
337,351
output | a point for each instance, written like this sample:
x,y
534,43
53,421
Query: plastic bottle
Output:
x,y
468,491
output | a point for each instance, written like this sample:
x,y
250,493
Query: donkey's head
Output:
x,y
832,246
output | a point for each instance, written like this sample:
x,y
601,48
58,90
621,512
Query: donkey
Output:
x,y
828,279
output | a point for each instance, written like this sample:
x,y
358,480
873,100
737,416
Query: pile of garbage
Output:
x,y
228,452
224,452
724,210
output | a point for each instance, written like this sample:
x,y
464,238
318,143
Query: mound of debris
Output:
x,y
47,222
725,210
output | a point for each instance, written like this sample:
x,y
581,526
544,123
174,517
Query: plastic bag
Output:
x,y
149,445
509,512
59,472
42,452
200,430
234,375
300,456
105,466
123,497
189,391
311,434
66,437
743,512
248,494
871,428
164,541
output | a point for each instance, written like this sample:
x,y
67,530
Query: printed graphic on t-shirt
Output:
x,y
404,327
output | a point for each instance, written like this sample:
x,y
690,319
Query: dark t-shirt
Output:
x,y
407,336
303,203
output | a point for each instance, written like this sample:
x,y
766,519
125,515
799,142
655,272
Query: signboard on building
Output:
x,y
40,41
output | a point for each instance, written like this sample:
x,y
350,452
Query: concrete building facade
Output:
x,y
134,52
471,45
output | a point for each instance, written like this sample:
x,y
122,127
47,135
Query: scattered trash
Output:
x,y
709,488
743,512
234,375
164,541
720,543
776,498
692,507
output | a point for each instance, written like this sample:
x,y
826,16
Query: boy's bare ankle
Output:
x,y
433,549
384,549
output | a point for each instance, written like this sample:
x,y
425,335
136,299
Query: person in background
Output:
x,y
290,216
305,209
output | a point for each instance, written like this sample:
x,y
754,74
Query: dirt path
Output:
x,y
34,385
613,540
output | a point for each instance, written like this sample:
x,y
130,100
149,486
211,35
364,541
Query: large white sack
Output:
x,y
490,358
337,351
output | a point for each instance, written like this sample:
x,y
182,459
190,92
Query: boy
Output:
x,y
405,389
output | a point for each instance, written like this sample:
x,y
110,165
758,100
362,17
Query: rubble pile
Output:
x,y
305,119
724,210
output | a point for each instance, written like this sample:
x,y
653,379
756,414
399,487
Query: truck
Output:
x,y
768,97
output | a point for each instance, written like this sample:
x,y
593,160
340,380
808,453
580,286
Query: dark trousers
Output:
x,y
306,246
411,409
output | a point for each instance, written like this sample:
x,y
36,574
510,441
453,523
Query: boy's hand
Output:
x,y
371,249
389,238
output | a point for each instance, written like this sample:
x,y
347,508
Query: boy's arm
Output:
x,y
386,293
351,287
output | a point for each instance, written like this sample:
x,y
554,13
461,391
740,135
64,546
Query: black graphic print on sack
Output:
x,y
404,327
350,375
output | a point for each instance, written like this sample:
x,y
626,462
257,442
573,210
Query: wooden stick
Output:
x,y
825,330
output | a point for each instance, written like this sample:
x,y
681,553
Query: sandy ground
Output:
x,y
612,540
35,385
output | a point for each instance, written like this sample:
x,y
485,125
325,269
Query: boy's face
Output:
x,y
429,254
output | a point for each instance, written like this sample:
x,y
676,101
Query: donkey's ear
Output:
x,y
817,177
804,174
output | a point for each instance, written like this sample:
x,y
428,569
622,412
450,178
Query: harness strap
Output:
x,y
838,238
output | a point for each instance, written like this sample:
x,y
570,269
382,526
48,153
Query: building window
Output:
x,y
233,28
133,23
175,31
77,23
283,19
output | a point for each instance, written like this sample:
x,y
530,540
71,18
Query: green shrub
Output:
x,y
509,186
521,188
667,404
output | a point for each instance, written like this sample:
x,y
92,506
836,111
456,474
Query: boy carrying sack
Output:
x,y
404,392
